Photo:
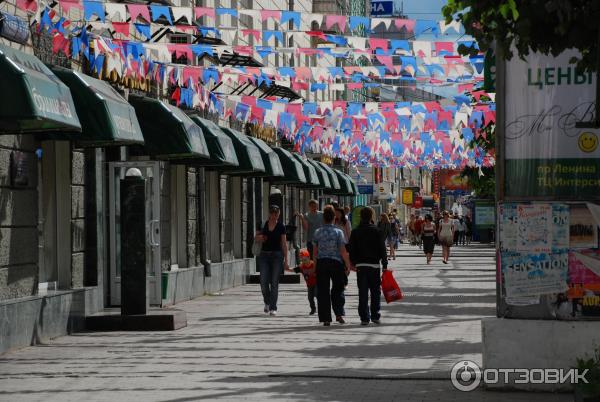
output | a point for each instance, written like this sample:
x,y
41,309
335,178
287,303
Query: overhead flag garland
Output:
x,y
425,134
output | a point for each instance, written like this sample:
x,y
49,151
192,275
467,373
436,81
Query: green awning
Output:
x,y
322,173
293,170
106,117
33,98
273,168
248,154
168,132
312,178
354,186
333,178
345,183
220,146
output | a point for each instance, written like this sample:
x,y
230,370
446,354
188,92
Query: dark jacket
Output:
x,y
367,246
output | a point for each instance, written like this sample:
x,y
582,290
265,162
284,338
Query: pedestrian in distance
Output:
x,y
273,258
419,230
446,235
468,229
385,227
368,255
456,222
429,231
462,228
331,255
311,221
308,270
344,225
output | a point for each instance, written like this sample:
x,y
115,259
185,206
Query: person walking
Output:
x,y
367,252
462,228
385,227
342,223
331,255
272,259
456,223
311,221
446,235
412,237
468,230
419,230
428,237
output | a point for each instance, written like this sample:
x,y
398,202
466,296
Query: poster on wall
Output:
x,y
583,228
535,274
534,232
547,156
508,227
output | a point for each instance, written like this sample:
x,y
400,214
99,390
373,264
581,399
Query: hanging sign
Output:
x,y
381,8
407,197
547,155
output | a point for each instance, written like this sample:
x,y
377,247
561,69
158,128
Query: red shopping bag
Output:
x,y
389,286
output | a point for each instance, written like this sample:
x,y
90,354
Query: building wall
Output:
x,y
78,235
18,221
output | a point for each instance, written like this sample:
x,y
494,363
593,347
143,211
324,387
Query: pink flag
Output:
x,y
266,14
122,28
354,85
66,5
245,50
340,20
136,10
378,43
27,5
202,11
444,47
409,25
252,32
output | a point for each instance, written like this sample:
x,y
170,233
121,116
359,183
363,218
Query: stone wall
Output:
x,y
193,255
78,239
18,220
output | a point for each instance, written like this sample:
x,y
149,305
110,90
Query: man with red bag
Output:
x,y
367,252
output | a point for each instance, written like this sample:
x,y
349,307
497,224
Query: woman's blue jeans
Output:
x,y
270,264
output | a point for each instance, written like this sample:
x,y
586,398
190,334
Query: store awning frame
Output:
x,y
310,173
273,167
106,118
221,149
169,133
333,178
34,99
249,156
322,173
292,168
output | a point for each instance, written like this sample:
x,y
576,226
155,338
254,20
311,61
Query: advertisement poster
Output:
x,y
546,154
485,215
535,274
560,225
508,227
583,228
584,280
534,233
452,180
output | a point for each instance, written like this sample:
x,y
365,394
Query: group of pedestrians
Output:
x,y
336,250
445,230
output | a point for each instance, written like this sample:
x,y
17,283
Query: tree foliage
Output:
x,y
546,26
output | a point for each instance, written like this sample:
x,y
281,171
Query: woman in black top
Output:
x,y
272,259
428,237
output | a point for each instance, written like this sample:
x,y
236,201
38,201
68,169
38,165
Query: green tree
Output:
x,y
546,26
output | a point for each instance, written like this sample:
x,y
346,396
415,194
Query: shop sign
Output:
x,y
547,156
407,197
418,202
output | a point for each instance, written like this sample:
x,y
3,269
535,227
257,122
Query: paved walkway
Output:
x,y
232,351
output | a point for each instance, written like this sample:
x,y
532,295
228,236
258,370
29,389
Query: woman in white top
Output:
x,y
446,235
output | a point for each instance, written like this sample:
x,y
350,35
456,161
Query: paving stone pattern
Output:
x,y
232,351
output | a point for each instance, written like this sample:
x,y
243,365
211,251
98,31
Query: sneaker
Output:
x,y
312,311
364,323
340,319
326,324
376,321
266,309
272,313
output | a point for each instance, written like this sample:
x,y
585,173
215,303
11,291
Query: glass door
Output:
x,y
151,172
